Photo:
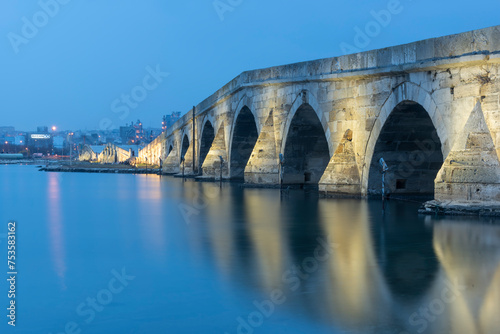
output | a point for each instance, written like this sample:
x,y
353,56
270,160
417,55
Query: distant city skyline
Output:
x,y
99,65
58,129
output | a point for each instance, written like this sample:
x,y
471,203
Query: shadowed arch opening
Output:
x,y
184,147
170,148
207,138
245,136
306,149
410,146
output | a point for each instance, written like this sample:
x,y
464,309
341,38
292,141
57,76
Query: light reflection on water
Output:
x,y
203,255
56,228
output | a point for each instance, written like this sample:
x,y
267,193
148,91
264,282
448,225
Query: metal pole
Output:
x,y
194,140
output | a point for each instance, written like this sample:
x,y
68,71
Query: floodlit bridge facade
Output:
x,y
429,109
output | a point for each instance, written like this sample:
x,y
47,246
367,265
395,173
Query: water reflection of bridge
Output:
x,y
384,273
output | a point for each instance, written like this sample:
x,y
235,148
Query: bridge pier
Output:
x,y
471,172
263,166
188,162
211,165
171,163
341,177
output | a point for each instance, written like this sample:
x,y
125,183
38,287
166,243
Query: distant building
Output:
x,y
6,130
42,129
9,140
127,133
59,142
20,140
169,120
133,134
40,142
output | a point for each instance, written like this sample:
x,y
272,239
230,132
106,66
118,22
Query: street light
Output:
x,y
70,148
54,128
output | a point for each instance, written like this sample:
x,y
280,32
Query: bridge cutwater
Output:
x,y
429,109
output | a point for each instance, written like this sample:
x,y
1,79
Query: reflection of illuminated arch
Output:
x,y
355,290
263,221
470,253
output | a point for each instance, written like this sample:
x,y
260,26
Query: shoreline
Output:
x,y
119,169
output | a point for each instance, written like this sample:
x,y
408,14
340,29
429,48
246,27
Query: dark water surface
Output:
x,y
144,254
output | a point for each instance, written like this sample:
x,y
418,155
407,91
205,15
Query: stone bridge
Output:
x,y
429,108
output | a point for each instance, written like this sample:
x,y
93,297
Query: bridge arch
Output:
x,y
244,135
305,146
207,118
304,97
184,146
245,102
410,134
206,139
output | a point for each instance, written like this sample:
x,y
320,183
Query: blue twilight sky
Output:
x,y
72,70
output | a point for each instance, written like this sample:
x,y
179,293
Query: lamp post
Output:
x,y
54,128
70,148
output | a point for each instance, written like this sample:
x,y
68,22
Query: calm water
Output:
x,y
192,258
